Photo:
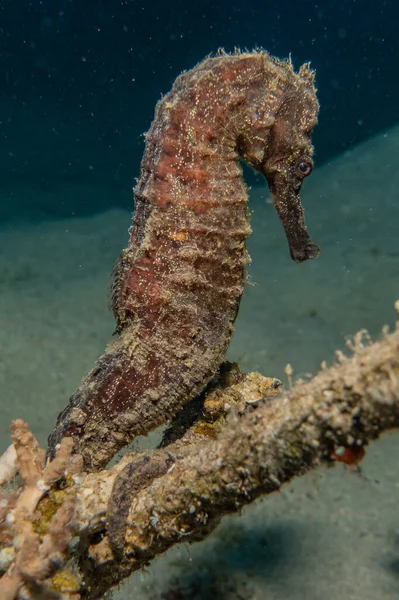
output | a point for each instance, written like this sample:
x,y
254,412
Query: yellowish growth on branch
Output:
x,y
28,560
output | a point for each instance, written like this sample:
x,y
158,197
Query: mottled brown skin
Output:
x,y
178,285
134,477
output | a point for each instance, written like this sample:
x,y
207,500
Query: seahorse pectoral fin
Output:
x,y
284,192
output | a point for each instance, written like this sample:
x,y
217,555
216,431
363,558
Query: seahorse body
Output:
x,y
178,285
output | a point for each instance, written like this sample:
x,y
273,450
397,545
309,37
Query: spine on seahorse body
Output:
x,y
177,286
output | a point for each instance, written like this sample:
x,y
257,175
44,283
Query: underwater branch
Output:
x,y
247,443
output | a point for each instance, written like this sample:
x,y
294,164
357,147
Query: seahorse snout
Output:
x,y
284,191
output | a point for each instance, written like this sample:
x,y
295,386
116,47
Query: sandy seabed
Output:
x,y
333,534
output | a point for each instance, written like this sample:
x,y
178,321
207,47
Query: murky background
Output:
x,y
78,86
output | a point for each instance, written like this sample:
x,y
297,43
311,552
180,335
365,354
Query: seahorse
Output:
x,y
177,287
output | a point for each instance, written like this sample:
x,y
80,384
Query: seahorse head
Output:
x,y
277,142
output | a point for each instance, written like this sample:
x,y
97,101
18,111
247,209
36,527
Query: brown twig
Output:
x,y
255,451
248,442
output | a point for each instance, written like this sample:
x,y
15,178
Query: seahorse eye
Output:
x,y
305,168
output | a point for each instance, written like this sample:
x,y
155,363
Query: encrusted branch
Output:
x,y
247,442
34,545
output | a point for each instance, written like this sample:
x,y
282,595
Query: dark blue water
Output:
x,y
79,80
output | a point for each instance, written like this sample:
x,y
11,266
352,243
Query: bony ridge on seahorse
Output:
x,y
177,286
